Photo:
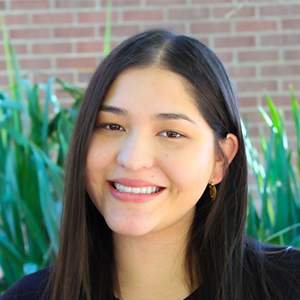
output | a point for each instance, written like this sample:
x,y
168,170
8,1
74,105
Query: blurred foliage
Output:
x,y
33,147
277,181
34,135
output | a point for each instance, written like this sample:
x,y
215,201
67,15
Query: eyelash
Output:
x,y
163,133
108,127
177,134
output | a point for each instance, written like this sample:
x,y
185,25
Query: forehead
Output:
x,y
149,88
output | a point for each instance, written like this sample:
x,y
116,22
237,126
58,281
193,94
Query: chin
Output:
x,y
129,228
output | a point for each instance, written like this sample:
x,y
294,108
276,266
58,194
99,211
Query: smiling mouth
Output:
x,y
136,190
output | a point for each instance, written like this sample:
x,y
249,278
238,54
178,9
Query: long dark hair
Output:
x,y
217,251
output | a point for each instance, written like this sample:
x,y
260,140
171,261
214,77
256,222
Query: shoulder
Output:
x,y
30,287
287,258
274,269
284,268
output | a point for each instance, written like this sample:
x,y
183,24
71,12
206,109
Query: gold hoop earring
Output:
x,y
212,190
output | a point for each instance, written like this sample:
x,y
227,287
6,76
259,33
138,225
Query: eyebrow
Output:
x,y
115,110
173,116
162,116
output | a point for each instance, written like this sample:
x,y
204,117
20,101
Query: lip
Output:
x,y
129,197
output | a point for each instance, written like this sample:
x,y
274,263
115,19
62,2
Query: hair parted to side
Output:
x,y
85,267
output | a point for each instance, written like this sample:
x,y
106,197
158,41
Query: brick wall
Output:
x,y
259,44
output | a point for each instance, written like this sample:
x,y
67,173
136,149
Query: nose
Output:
x,y
136,152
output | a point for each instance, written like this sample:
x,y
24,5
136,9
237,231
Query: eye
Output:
x,y
171,134
112,127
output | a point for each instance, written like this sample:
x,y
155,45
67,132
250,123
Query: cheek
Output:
x,y
97,161
189,169
99,155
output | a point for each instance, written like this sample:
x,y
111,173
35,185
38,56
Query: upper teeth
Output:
x,y
136,190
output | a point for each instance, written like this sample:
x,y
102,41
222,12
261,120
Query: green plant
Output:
x,y
278,222
33,147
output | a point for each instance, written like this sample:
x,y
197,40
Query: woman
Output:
x,y
158,130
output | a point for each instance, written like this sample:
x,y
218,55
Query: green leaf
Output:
x,y
11,104
281,232
107,30
9,251
275,118
30,221
295,111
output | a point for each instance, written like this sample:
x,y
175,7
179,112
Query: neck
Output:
x,y
152,266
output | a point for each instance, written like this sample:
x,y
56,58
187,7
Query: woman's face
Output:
x,y
151,154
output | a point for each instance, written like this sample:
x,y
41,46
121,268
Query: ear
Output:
x,y
229,146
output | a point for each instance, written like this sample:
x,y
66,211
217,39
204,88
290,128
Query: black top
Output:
x,y
32,287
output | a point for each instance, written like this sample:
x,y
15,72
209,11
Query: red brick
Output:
x,y
96,17
69,77
99,60
256,86
29,4
177,27
3,65
291,134
234,42
256,26
279,10
146,15
122,3
2,5
37,33
280,40
16,19
279,100
259,1
66,102
280,70
204,41
210,1
55,18
121,30
287,111
225,57
165,2
256,56
247,101
64,97
220,12
90,46
76,63
18,48
253,116
35,64
113,44
74,32
295,83
292,54
210,27
51,48
85,76
241,72
4,80
291,24
74,3
188,14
